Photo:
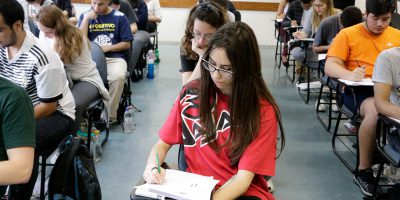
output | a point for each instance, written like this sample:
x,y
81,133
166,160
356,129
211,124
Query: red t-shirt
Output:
x,y
182,126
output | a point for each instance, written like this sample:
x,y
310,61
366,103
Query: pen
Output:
x,y
158,163
359,64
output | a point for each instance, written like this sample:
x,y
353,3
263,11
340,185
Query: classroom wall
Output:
x,y
172,27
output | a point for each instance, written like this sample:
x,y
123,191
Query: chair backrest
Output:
x,y
100,60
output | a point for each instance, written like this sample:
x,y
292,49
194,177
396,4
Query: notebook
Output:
x,y
179,185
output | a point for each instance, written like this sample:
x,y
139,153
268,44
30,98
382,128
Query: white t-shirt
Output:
x,y
154,8
39,70
387,70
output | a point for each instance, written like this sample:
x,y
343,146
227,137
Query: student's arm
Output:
x,y
134,28
121,46
84,23
382,104
156,16
236,187
281,8
321,49
334,67
151,174
45,109
18,168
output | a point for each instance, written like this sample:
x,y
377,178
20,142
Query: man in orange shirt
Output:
x,y
352,56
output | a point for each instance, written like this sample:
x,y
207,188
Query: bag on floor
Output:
x,y
74,175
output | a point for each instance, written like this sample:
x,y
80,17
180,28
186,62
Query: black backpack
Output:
x,y
74,175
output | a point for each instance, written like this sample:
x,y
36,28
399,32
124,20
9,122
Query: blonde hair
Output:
x,y
316,19
69,39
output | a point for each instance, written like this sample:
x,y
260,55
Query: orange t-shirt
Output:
x,y
356,46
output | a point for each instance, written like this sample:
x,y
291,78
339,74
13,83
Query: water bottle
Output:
x,y
98,149
150,68
128,120
157,60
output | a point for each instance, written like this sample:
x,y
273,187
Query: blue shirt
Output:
x,y
109,29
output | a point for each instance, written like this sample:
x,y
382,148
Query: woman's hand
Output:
x,y
151,174
197,49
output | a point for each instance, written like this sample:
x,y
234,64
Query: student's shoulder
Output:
x,y
118,13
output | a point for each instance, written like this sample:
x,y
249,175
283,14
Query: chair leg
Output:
x,y
43,177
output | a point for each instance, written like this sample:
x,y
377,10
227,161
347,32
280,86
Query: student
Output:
x,y
74,50
17,135
34,7
295,16
351,56
39,71
204,19
224,5
154,14
280,12
321,10
110,29
140,8
331,26
227,120
387,83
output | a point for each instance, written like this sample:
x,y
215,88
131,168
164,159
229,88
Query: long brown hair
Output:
x,y
209,12
241,47
69,39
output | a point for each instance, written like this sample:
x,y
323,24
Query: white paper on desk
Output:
x,y
184,186
143,190
363,82
321,56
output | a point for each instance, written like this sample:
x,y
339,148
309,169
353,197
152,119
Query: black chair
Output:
x,y
331,84
388,144
97,107
126,98
279,42
291,62
308,67
354,115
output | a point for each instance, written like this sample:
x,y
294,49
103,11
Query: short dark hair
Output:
x,y
380,7
12,11
305,1
350,16
115,2
222,3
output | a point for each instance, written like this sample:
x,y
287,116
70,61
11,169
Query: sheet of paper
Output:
x,y
363,82
183,185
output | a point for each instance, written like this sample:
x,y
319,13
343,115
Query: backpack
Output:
x,y
74,175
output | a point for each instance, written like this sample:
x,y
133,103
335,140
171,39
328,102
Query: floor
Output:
x,y
306,170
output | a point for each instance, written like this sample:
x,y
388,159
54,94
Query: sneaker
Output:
x,y
271,186
365,180
350,127
321,107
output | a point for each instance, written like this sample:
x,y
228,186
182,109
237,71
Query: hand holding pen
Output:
x,y
358,73
154,173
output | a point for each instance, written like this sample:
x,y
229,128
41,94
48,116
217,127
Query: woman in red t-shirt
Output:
x,y
227,121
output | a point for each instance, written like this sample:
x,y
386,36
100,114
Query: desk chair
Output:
x,y
307,66
331,84
291,62
353,115
97,107
388,144
279,42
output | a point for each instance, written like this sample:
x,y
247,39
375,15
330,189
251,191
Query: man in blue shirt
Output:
x,y
110,29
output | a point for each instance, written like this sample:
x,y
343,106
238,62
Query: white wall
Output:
x,y
172,27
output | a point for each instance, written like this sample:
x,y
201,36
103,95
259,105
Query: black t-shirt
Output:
x,y
187,65
342,4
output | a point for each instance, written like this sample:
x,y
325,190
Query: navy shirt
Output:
x,y
109,29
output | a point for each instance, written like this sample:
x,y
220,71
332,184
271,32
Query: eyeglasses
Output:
x,y
212,68
198,35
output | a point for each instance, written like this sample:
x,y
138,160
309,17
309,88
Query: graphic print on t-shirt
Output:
x,y
191,120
